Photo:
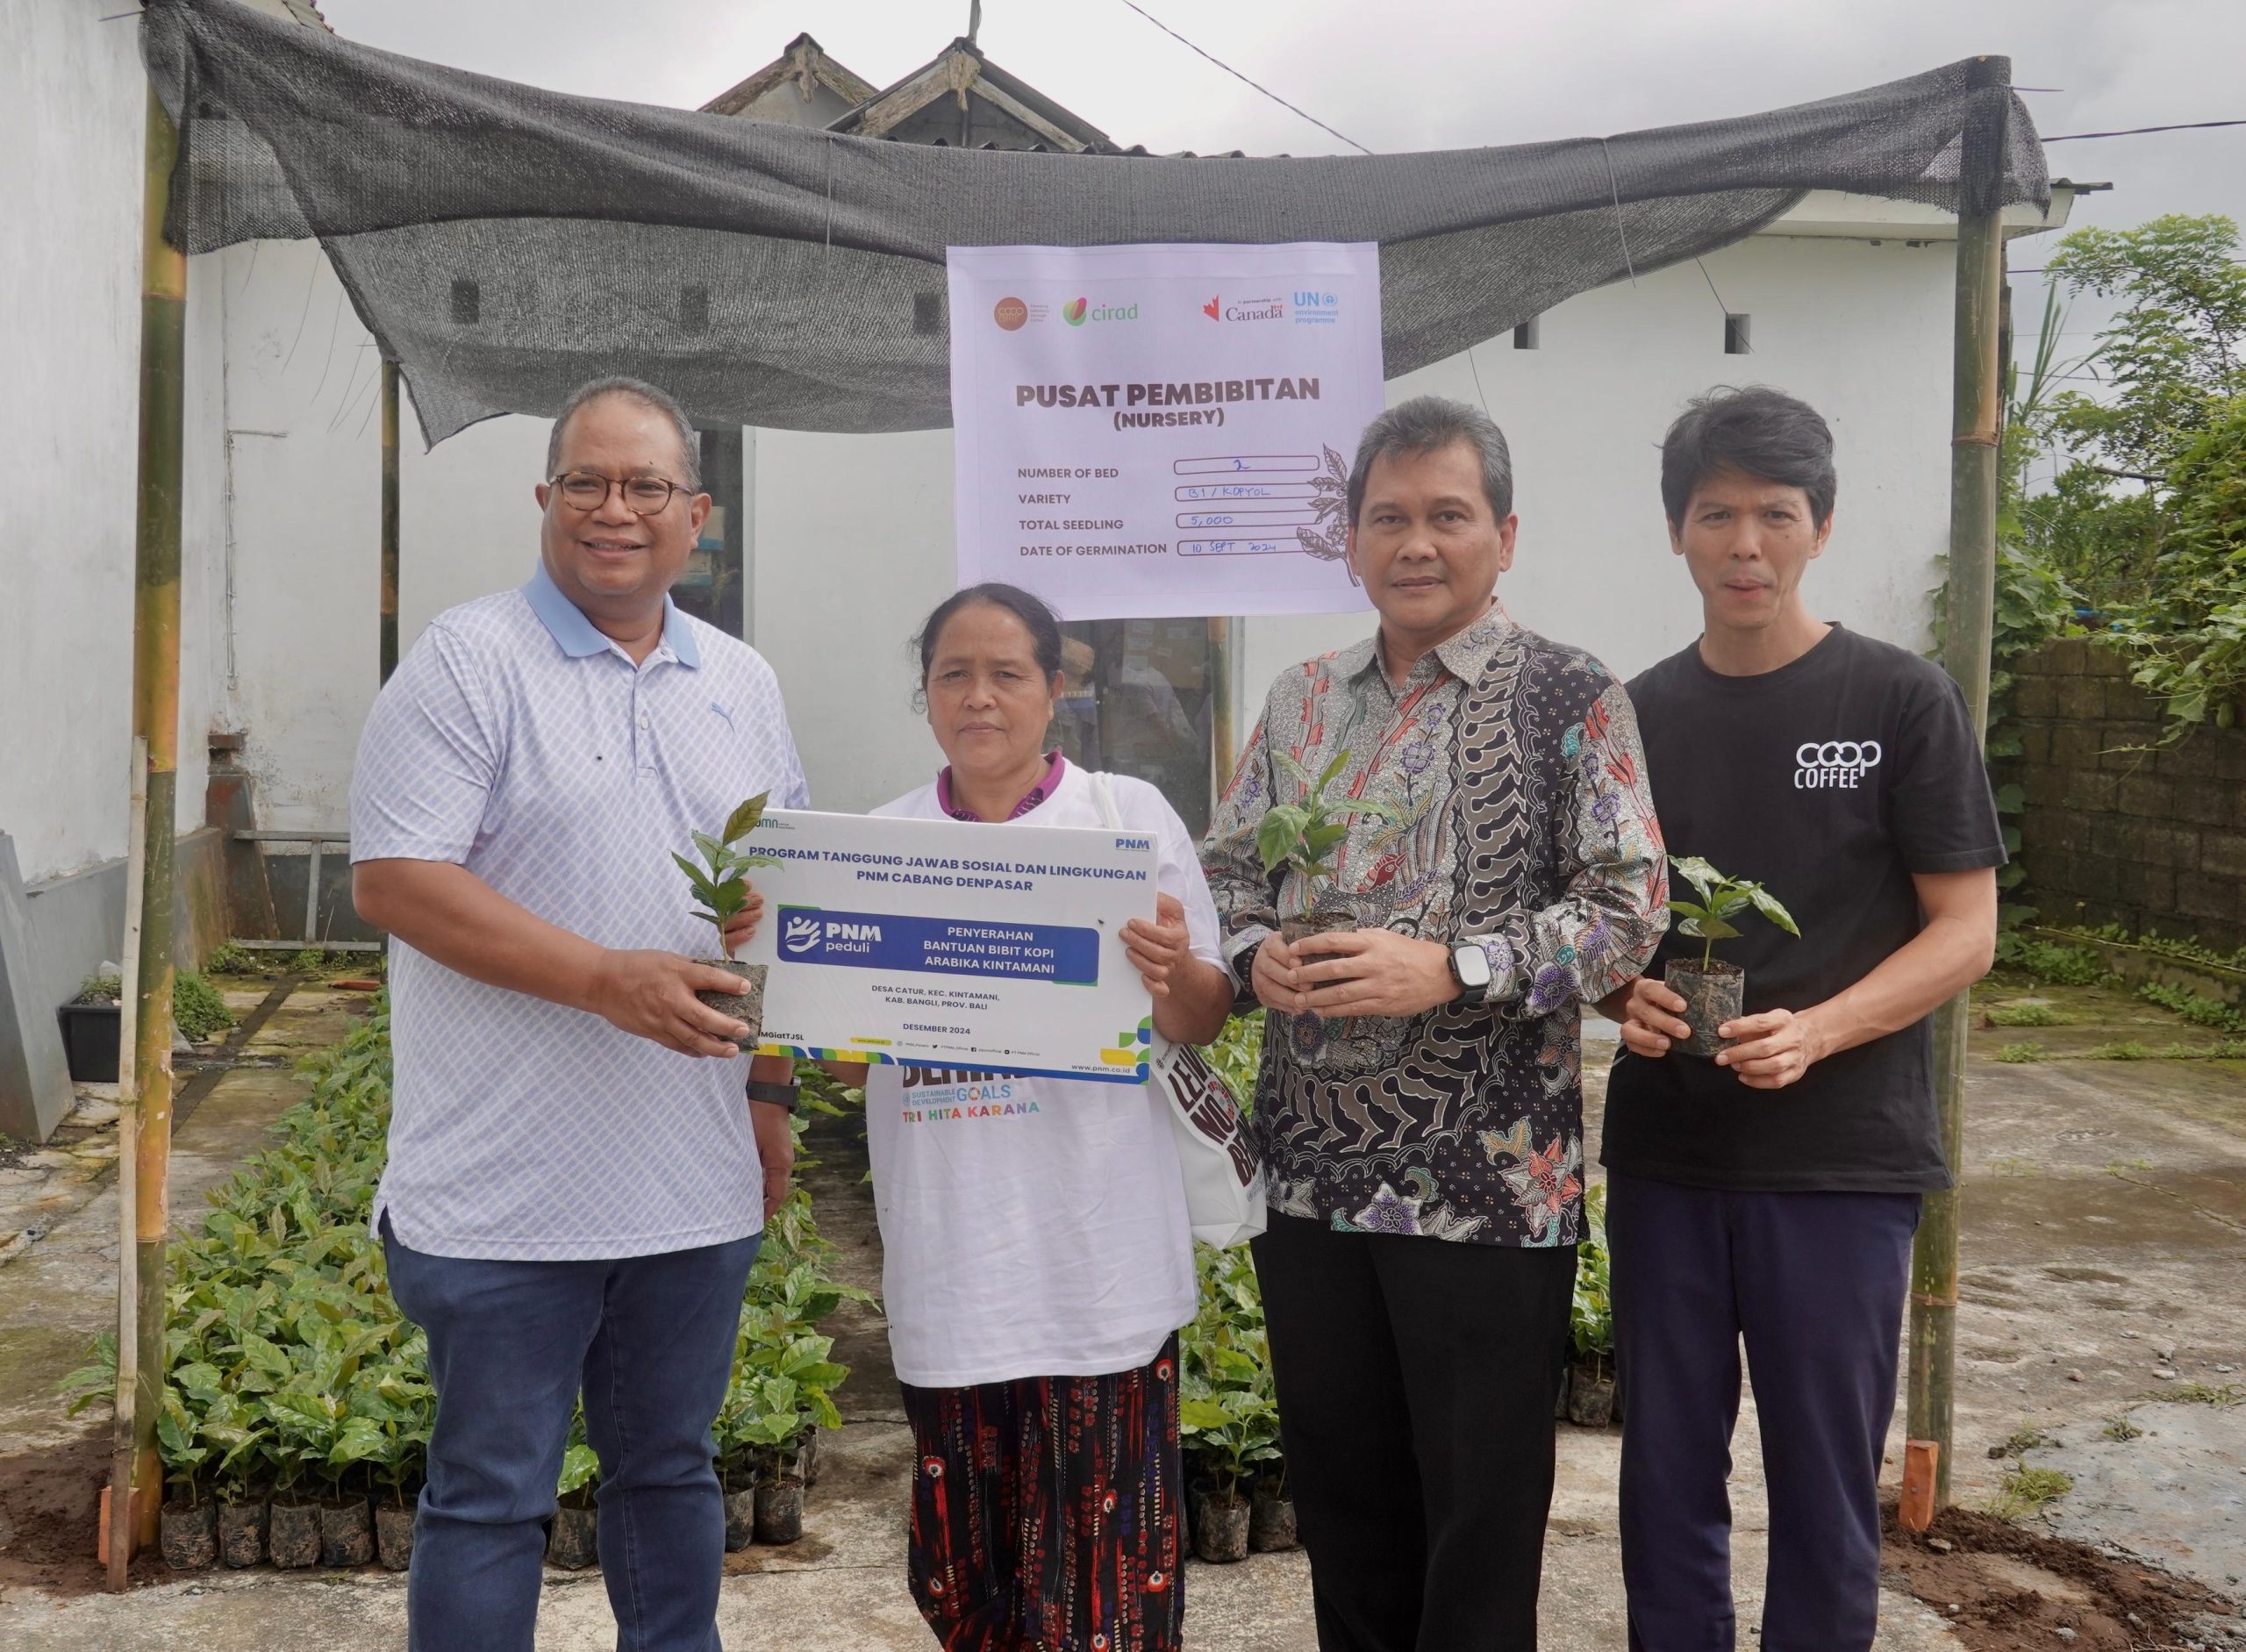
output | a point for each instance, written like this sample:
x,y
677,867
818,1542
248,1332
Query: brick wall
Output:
x,y
2154,841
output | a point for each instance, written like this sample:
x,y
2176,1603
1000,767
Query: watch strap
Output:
x,y
776,1095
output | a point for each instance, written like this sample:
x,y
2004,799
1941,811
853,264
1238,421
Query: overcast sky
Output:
x,y
1426,74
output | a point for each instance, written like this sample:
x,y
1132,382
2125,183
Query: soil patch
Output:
x,y
47,1503
2014,1588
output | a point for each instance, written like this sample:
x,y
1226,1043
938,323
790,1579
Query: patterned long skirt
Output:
x,y
1046,1511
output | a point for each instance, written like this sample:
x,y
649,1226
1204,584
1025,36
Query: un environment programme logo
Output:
x,y
1834,762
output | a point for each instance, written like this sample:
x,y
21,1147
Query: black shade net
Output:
x,y
504,244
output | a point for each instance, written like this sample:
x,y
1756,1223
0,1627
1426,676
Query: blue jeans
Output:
x,y
1814,1285
650,1341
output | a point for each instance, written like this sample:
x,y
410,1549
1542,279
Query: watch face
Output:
x,y
1472,965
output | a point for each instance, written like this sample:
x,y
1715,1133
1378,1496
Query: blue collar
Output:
x,y
580,638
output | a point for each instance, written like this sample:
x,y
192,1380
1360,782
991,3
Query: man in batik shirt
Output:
x,y
1419,1102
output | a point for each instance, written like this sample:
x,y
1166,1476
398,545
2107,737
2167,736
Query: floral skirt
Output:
x,y
1046,1512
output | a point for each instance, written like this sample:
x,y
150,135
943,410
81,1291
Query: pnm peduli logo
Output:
x,y
801,934
1833,762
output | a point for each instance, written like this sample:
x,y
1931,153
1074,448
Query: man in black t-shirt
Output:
x,y
1771,1194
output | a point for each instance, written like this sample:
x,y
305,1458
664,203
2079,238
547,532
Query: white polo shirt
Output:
x,y
518,741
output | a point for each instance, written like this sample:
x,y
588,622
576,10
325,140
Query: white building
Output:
x,y
831,548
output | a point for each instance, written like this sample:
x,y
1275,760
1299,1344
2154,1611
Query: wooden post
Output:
x,y
1224,736
116,1512
156,719
1976,434
390,520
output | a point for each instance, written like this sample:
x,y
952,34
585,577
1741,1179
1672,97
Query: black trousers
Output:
x,y
1813,1283
1416,1380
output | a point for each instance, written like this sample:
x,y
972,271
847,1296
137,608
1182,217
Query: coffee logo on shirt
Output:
x,y
1835,762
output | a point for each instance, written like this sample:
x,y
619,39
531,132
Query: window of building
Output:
x,y
1140,697
714,587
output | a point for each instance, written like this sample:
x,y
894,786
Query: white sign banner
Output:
x,y
1163,431
943,943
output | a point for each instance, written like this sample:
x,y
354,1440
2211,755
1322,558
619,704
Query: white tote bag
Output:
x,y
1224,1179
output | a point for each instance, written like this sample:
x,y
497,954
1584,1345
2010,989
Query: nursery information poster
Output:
x,y
942,943
1163,431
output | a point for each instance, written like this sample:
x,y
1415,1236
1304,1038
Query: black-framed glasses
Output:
x,y
643,496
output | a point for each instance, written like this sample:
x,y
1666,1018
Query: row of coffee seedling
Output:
x,y
296,1405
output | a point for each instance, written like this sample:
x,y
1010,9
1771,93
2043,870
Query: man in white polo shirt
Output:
x,y
576,1184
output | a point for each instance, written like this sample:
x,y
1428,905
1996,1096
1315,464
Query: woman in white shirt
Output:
x,y
1038,1259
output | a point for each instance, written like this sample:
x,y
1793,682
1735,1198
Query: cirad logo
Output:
x,y
1833,762
1076,312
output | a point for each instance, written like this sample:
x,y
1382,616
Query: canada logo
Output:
x,y
1210,309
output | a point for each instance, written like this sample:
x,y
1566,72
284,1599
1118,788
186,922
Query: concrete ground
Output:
x,y
2105,1227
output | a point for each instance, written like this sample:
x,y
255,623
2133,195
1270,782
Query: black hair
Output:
x,y
1757,431
1043,625
1429,424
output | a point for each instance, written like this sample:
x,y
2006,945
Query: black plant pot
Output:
x,y
292,1538
1220,1526
746,1006
1591,1393
241,1532
1271,1523
346,1532
779,1509
574,1544
189,1534
393,1536
90,1041
1711,997
741,1519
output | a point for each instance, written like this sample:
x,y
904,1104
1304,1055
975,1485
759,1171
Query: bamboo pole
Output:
x,y
1977,432
156,719
1224,742
390,520
120,1525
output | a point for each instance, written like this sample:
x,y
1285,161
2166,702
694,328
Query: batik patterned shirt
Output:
x,y
1522,822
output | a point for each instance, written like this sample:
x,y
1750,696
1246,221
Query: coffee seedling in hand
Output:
x,y
1714,991
723,889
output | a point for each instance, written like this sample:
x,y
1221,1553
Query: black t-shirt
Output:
x,y
1829,781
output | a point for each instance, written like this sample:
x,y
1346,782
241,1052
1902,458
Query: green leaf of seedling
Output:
x,y
1293,770
744,819
1707,929
1196,1416
702,886
1319,839
1279,833
1767,903
1730,900
1332,769
1373,808
1699,873
1686,910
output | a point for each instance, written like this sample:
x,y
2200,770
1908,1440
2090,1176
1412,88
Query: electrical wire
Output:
x,y
2132,132
1237,75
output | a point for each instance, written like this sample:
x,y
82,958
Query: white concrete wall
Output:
x,y
1861,332
851,537
72,96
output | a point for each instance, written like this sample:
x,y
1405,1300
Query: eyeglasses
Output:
x,y
643,496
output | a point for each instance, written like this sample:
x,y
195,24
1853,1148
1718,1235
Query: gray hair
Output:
x,y
689,440
1424,424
